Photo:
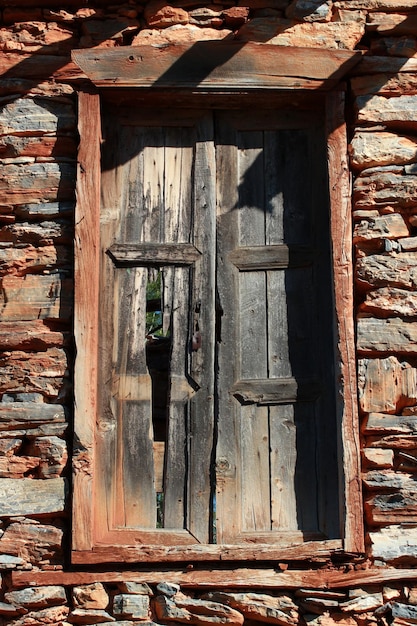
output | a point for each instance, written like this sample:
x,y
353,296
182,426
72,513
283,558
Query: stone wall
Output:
x,y
38,150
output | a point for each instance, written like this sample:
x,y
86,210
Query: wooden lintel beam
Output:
x,y
216,65
224,579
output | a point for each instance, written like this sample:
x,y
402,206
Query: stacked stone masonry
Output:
x,y
38,142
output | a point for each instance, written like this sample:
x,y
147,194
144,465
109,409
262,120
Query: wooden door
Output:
x,y
156,400
219,426
277,477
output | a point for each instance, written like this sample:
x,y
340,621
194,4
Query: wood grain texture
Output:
x,y
86,277
340,223
215,65
240,578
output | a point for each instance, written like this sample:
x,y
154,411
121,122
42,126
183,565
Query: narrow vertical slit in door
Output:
x,y
158,356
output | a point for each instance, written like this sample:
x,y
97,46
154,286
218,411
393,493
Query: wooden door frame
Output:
x,y
87,546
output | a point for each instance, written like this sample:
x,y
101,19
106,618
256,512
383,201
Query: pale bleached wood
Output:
x,y
154,254
177,226
86,278
341,229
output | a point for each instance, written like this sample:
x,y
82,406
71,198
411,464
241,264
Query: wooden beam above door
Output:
x,y
215,65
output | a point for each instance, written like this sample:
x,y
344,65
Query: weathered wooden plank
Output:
x,y
86,326
202,366
238,578
18,496
178,185
340,224
228,486
212,65
154,254
276,390
283,455
269,257
132,477
250,309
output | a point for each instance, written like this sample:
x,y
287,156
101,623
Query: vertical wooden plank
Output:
x,y
228,487
177,225
86,274
201,424
252,313
284,513
135,500
106,427
135,450
341,230
280,163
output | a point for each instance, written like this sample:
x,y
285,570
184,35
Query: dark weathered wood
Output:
x,y
270,257
276,391
154,254
203,328
214,65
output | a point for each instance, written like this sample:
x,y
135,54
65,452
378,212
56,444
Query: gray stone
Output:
x,y
134,606
37,597
132,587
24,496
168,589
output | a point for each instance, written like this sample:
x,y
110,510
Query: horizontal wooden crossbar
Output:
x,y
273,257
136,255
276,391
